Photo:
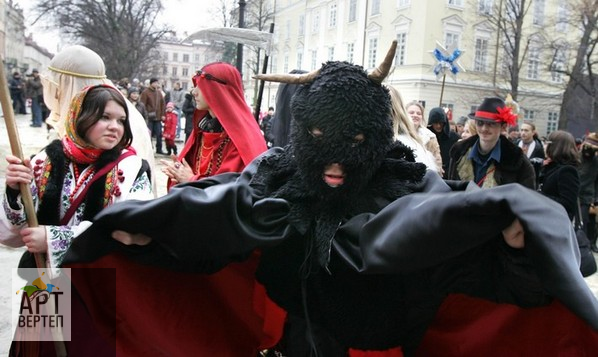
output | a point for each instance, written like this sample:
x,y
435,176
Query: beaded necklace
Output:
x,y
80,179
219,156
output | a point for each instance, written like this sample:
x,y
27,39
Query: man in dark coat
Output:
x,y
439,125
489,159
357,243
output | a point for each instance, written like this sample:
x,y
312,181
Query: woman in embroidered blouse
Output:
x,y
225,135
96,143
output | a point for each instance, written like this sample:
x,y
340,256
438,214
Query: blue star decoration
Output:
x,y
447,61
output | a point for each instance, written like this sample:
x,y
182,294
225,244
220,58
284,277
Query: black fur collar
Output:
x,y
49,209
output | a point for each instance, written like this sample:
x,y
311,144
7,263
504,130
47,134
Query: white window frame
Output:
x,y
351,52
401,53
314,59
372,51
480,61
332,15
538,15
352,10
301,29
485,7
375,8
315,24
533,62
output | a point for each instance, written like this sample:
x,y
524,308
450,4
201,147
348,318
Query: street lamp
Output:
x,y
242,4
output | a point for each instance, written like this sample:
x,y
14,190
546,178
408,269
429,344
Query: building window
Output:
x,y
562,16
332,16
455,3
529,115
403,3
538,18
185,86
174,71
481,55
196,57
315,25
186,58
375,10
299,59
301,25
352,10
350,52
553,122
451,38
372,50
288,30
285,66
533,63
558,64
314,59
485,7
175,57
274,64
164,70
331,53
401,49
185,72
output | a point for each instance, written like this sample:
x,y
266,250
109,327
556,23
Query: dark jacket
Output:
x,y
560,182
588,176
188,110
446,139
514,167
141,109
154,103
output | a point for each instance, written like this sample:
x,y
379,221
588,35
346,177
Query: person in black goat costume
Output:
x,y
362,247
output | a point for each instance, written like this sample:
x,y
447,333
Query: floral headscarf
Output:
x,y
76,148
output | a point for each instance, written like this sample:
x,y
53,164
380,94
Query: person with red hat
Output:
x,y
489,159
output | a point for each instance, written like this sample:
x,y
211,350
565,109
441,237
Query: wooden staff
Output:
x,y
442,89
27,348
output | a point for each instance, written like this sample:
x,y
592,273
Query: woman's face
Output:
x,y
109,130
200,101
415,114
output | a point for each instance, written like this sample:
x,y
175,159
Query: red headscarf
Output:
x,y
221,86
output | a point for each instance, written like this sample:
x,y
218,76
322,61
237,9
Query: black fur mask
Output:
x,y
342,130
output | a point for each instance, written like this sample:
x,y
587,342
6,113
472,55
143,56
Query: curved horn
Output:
x,y
289,78
382,70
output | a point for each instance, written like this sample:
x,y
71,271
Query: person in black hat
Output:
x,y
154,103
489,158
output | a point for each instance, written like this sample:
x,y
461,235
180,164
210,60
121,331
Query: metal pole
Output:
x,y
242,4
261,90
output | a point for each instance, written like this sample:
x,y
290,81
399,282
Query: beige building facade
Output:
x,y
311,32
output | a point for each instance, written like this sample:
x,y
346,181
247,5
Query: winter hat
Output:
x,y
170,105
495,110
436,115
461,120
152,80
132,90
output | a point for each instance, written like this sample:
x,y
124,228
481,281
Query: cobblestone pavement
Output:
x,y
33,140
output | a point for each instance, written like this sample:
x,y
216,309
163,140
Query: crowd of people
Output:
x,y
342,222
